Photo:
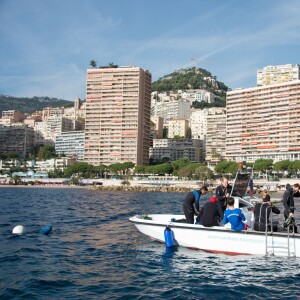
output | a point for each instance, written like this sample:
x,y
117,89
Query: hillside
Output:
x,y
190,78
29,105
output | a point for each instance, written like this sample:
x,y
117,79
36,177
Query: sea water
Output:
x,y
94,252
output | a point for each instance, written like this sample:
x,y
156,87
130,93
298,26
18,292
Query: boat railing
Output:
x,y
268,245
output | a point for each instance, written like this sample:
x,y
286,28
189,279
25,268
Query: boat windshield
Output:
x,y
240,184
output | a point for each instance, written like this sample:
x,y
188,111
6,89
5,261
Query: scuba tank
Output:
x,y
169,237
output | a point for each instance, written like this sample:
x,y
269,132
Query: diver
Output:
x,y
191,204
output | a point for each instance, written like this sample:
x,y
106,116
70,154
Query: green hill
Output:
x,y
29,105
189,79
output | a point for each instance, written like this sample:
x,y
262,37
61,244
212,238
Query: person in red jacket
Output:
x,y
211,213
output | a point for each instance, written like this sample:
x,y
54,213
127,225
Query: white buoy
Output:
x,y
19,229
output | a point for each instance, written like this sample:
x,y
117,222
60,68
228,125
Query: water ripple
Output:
x,y
95,253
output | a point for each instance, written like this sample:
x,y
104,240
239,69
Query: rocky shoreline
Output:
x,y
165,189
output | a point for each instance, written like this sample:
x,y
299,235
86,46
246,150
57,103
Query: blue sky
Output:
x,y
46,46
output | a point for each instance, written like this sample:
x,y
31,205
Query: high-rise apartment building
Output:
x,y
263,122
117,128
215,140
278,74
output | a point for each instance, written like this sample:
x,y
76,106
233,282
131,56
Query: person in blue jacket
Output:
x,y
234,216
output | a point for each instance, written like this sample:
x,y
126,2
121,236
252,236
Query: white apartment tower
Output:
x,y
117,128
278,74
263,122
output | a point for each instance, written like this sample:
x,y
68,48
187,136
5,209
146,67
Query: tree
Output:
x,y
149,169
194,166
262,165
281,166
140,169
11,155
46,152
116,168
99,170
125,182
232,168
163,169
93,63
3,156
75,180
17,179
127,165
204,173
80,168
56,173
189,133
294,166
185,172
179,163
34,152
165,132
112,65
226,167
221,167
178,137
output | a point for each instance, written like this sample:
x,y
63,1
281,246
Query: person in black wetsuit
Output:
x,y
189,204
263,210
288,201
211,213
223,192
203,197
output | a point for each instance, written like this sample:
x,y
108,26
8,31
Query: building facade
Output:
x,y
278,74
263,122
173,109
157,127
173,149
46,131
9,117
203,95
117,127
48,112
215,141
70,144
178,127
19,139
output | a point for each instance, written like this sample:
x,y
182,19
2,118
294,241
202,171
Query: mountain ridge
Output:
x,y
30,104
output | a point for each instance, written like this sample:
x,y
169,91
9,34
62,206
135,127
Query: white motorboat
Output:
x,y
220,239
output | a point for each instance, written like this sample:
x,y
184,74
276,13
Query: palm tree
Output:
x,y
93,63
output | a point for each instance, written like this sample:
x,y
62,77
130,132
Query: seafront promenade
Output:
x,y
138,185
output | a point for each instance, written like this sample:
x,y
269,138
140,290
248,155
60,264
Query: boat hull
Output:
x,y
219,239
